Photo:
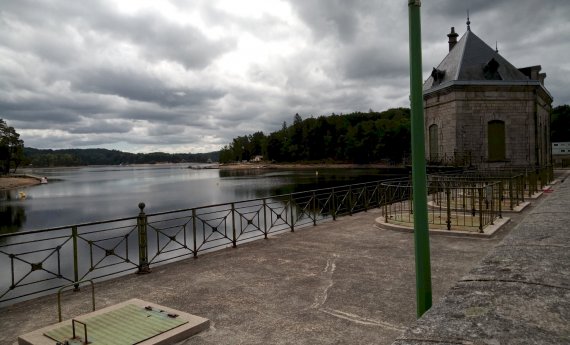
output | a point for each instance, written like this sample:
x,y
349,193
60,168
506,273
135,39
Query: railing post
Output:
x,y
234,238
333,202
410,197
492,211
350,200
365,199
75,259
511,196
143,243
194,232
448,206
292,213
473,196
378,198
520,189
264,218
480,209
500,201
387,191
314,209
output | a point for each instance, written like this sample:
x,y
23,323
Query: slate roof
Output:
x,y
471,60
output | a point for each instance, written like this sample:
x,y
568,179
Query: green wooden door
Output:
x,y
496,140
433,143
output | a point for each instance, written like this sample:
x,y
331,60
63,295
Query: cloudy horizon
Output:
x,y
189,76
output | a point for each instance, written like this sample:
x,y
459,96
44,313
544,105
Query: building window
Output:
x,y
433,143
496,140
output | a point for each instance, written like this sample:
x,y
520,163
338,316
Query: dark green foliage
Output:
x,y
357,137
78,157
560,124
11,148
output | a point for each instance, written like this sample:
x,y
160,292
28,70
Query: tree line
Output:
x,y
560,124
357,137
79,157
11,148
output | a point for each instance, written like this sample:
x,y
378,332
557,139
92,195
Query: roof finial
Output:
x,y
468,22
496,46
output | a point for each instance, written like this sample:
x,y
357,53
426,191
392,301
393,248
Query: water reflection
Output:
x,y
12,216
99,193
88,194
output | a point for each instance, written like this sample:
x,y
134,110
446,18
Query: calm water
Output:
x,y
43,261
86,194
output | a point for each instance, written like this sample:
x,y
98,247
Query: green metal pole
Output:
x,y
419,177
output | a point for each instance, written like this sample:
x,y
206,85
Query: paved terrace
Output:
x,y
343,282
518,294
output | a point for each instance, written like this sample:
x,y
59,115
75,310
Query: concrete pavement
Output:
x,y
341,282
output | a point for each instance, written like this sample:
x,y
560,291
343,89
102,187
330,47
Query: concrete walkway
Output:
x,y
518,294
343,282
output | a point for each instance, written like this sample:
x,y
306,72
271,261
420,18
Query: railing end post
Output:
x,y
142,221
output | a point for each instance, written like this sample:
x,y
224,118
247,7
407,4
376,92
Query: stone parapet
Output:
x,y
518,294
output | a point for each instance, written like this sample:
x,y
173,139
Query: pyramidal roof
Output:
x,y
471,59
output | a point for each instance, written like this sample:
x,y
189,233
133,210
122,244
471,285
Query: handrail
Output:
x,y
107,249
76,285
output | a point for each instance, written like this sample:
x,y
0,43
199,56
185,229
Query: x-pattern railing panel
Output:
x,y
110,248
38,263
249,221
279,211
213,229
172,237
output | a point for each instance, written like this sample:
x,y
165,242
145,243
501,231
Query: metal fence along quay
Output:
x,y
40,261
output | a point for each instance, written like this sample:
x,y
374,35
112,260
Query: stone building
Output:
x,y
561,154
481,110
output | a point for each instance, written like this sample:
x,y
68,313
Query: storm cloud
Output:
x,y
188,76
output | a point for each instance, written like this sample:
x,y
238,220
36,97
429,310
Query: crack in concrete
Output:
x,y
515,281
546,245
361,320
321,297
438,341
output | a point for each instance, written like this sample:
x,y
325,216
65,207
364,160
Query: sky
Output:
x,y
191,75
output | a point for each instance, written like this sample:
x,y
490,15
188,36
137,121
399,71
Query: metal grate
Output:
x,y
130,324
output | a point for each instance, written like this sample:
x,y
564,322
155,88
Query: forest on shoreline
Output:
x,y
40,158
355,138
360,138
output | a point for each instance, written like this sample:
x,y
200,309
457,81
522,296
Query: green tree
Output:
x,y
11,148
560,123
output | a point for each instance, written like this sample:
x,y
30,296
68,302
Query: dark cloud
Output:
x,y
102,126
190,76
42,24
138,86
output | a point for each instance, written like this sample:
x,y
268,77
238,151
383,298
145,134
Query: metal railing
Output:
x,y
511,185
36,262
534,178
452,204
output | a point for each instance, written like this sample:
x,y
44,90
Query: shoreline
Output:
x,y
20,181
300,166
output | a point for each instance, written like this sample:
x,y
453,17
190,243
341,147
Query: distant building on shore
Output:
x,y
481,110
561,154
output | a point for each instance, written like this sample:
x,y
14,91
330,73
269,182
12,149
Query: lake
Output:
x,y
95,193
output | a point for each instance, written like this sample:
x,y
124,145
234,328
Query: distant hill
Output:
x,y
79,157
